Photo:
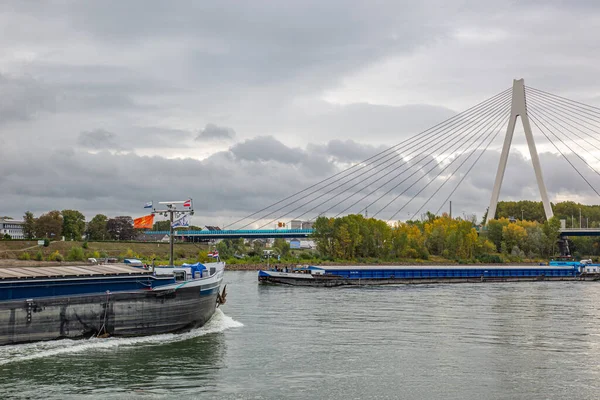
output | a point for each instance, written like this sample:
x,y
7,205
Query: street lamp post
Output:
x,y
522,214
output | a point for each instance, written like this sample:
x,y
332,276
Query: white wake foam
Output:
x,y
30,351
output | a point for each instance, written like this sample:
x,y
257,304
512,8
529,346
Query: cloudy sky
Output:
x,y
105,105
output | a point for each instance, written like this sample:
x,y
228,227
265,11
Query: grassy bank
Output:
x,y
29,250
30,253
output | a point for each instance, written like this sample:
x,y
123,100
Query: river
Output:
x,y
526,340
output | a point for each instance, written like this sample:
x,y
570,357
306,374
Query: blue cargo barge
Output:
x,y
45,303
378,275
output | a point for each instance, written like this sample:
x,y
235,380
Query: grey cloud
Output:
x,y
214,132
153,73
98,139
267,148
233,183
24,98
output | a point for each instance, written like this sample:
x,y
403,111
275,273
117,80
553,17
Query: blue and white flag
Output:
x,y
184,220
148,205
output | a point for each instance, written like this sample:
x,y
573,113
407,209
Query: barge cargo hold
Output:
x,y
385,275
45,303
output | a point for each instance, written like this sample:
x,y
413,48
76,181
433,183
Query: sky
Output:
x,y
105,105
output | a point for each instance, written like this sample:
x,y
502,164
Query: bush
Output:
x,y
75,254
103,254
24,256
39,256
46,242
490,259
130,254
85,245
56,256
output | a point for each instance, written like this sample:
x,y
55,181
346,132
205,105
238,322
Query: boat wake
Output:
x,y
30,351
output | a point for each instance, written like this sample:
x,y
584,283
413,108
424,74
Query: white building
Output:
x,y
12,227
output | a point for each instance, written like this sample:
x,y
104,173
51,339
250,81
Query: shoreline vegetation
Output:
x,y
347,240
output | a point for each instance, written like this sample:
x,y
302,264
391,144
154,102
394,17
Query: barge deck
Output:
x,y
329,276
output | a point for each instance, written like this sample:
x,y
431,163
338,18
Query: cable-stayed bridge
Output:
x,y
423,172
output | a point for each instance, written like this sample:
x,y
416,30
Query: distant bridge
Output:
x,y
240,233
579,232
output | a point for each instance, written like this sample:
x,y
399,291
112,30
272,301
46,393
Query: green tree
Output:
x,y
551,229
257,247
282,246
49,225
96,229
161,226
323,235
120,228
75,254
494,231
73,224
29,225
225,249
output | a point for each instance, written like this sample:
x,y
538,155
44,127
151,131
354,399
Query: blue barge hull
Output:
x,y
46,303
378,275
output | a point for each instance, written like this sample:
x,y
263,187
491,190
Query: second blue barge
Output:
x,y
340,275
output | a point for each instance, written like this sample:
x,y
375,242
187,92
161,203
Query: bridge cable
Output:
x,y
374,170
450,150
369,160
502,123
533,119
574,108
498,121
566,100
551,122
564,124
466,173
548,103
426,153
541,120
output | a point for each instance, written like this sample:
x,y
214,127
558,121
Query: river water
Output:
x,y
466,341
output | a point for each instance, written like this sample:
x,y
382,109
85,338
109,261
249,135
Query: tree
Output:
x,y
161,225
73,224
120,228
96,229
494,231
282,246
514,236
225,249
551,229
29,225
49,225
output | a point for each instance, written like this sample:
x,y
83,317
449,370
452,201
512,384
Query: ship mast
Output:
x,y
171,212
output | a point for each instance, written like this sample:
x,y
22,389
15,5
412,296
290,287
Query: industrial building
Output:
x,y
12,227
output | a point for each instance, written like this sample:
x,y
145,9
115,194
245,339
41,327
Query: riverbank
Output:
x,y
235,267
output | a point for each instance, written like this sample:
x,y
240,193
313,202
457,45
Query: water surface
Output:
x,y
466,341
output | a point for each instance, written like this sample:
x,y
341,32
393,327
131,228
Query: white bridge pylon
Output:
x,y
519,109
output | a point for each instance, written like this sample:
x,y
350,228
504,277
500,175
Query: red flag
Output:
x,y
144,222
187,203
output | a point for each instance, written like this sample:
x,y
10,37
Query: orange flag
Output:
x,y
144,222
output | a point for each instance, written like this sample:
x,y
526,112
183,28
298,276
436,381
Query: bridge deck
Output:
x,y
241,233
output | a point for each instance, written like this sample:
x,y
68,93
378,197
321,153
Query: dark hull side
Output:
x,y
116,314
330,281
